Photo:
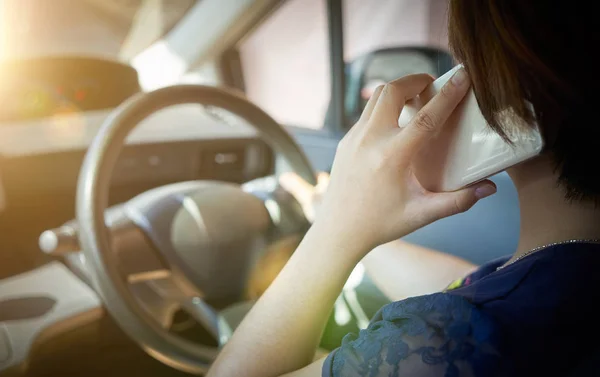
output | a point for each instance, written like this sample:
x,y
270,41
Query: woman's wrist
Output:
x,y
339,242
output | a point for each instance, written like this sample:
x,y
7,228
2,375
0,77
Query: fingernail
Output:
x,y
485,191
460,77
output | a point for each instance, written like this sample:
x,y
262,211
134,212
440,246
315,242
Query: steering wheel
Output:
x,y
160,250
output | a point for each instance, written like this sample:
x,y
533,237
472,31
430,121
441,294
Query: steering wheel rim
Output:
x,y
92,200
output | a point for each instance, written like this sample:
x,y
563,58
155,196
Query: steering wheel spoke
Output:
x,y
159,294
161,308
205,315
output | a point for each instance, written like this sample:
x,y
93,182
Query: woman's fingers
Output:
x,y
322,182
307,195
370,106
440,205
434,114
298,187
393,97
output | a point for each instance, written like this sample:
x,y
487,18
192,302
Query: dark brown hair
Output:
x,y
540,52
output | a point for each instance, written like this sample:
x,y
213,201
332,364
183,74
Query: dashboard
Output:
x,y
180,143
52,108
51,86
185,142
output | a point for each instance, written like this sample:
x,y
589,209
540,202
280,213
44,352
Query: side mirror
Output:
x,y
367,72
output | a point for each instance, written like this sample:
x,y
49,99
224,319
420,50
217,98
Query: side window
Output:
x,y
286,64
286,61
393,23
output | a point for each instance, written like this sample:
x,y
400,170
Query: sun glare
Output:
x,y
158,66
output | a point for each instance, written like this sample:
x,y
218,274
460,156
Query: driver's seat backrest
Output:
x,y
441,59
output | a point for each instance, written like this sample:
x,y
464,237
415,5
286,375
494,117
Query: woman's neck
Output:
x,y
546,217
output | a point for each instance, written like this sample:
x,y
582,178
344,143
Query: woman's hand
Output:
x,y
307,195
373,196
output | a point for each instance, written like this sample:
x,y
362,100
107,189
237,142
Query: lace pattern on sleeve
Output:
x,y
437,335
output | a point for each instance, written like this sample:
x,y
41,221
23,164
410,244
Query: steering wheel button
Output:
x,y
154,160
227,159
129,163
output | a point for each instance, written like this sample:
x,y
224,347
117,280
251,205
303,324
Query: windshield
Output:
x,y
112,29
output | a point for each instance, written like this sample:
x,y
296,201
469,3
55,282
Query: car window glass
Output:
x,y
286,62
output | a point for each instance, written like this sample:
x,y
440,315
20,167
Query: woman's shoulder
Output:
x,y
564,270
434,335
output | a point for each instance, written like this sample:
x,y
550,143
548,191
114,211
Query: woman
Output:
x,y
529,314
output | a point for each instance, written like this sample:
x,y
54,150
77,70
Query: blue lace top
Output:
x,y
535,317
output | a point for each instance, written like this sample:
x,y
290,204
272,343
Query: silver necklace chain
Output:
x,y
539,248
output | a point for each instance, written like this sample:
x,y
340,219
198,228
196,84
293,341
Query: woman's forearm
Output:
x,y
401,269
283,330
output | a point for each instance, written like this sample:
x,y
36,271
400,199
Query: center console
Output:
x,y
41,304
53,324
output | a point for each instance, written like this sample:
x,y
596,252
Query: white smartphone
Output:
x,y
467,150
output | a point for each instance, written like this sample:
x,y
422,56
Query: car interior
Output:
x,y
140,145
